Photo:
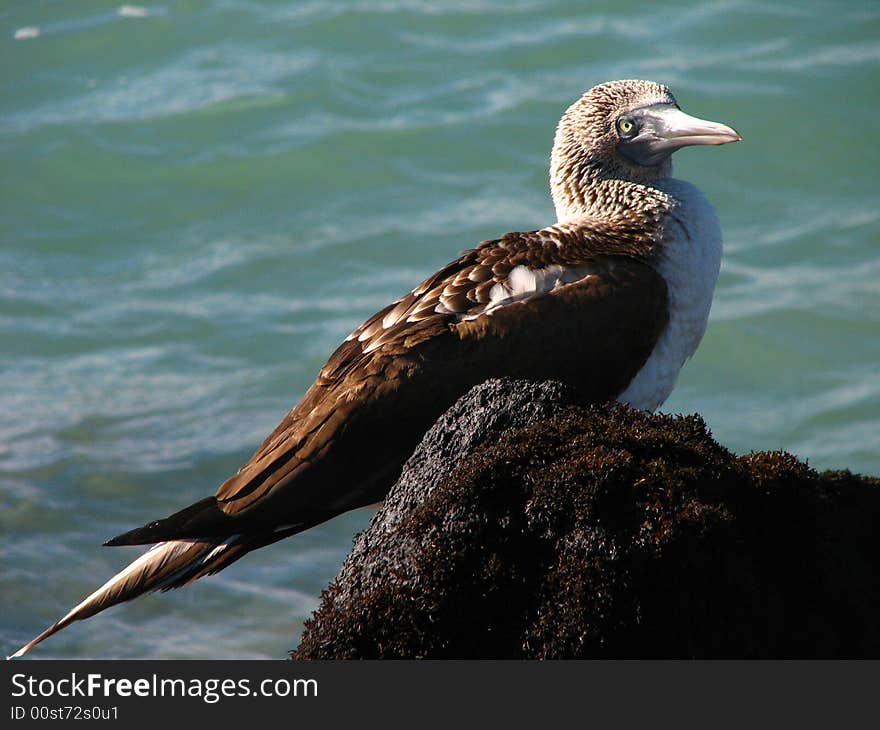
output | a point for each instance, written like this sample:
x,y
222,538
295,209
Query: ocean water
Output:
x,y
199,200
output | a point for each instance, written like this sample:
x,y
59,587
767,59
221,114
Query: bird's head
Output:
x,y
623,130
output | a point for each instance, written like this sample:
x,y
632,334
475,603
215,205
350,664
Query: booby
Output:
x,y
612,298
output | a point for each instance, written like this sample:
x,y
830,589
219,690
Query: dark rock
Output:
x,y
527,526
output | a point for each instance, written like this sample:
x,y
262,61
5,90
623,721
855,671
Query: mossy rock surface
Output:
x,y
529,526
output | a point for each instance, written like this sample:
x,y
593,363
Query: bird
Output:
x,y
612,298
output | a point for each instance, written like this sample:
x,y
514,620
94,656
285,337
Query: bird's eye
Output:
x,y
626,126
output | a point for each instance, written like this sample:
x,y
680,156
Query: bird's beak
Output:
x,y
664,128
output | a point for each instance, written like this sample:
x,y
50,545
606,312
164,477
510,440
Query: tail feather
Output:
x,y
166,565
169,564
201,520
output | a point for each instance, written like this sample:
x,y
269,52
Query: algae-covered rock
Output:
x,y
528,526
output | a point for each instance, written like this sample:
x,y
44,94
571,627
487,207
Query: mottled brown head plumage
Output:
x,y
613,147
585,149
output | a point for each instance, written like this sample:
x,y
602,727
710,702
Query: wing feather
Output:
x,y
505,302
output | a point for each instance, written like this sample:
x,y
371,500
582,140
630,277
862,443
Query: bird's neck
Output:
x,y
611,201
585,187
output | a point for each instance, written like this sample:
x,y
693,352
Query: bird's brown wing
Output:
x,y
591,319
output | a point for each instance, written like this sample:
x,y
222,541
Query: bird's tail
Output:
x,y
164,566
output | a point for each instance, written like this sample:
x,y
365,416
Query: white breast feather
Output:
x,y
690,267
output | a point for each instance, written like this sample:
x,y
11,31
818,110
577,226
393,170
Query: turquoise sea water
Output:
x,y
198,200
